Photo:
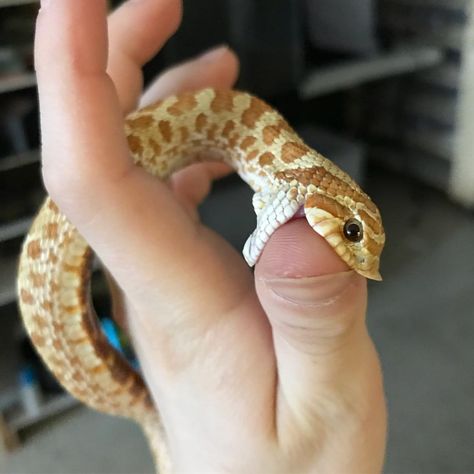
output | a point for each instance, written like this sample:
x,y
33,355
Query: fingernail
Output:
x,y
44,4
312,291
214,53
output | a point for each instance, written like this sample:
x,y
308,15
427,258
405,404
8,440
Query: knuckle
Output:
x,y
64,183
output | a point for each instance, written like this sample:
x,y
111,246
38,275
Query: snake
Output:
x,y
289,180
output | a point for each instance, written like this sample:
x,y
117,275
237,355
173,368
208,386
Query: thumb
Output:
x,y
329,391
311,298
316,308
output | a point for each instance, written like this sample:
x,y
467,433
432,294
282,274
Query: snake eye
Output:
x,y
353,230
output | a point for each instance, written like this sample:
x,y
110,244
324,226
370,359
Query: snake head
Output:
x,y
352,228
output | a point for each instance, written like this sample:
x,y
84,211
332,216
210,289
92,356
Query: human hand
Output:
x,y
272,372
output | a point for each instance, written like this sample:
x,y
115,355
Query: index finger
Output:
x,y
86,163
80,113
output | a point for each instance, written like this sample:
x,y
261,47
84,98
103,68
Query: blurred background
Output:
x,y
385,88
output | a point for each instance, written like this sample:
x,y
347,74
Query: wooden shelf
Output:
x,y
14,229
353,73
447,76
14,82
14,3
8,271
16,161
19,420
445,4
14,419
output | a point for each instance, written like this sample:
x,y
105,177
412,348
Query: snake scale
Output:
x,y
288,178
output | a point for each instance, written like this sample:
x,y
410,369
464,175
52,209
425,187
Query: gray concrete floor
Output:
x,y
422,320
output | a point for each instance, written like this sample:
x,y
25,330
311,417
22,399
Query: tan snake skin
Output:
x,y
235,127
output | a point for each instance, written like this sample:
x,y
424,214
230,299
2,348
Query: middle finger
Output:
x,y
137,31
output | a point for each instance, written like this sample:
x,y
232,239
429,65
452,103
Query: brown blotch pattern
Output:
x,y
77,377
253,113
155,146
52,257
98,369
39,321
211,133
291,151
53,207
79,340
247,142
58,328
252,155
272,132
71,309
266,158
141,122
37,279
26,297
316,175
184,103
57,344
135,145
165,129
47,306
52,230
233,139
37,339
327,204
228,128
223,101
372,223
303,175
67,267
34,249
201,122
329,184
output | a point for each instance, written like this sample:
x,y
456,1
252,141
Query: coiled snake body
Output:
x,y
286,176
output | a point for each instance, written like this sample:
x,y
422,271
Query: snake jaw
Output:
x,y
358,256
371,275
276,212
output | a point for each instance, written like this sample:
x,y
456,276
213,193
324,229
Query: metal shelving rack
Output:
x,y
434,125
14,3
12,417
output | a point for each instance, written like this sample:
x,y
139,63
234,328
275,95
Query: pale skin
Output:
x,y
267,373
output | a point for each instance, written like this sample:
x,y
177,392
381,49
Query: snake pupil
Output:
x,y
353,230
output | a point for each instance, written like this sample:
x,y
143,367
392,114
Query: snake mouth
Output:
x,y
370,274
299,214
